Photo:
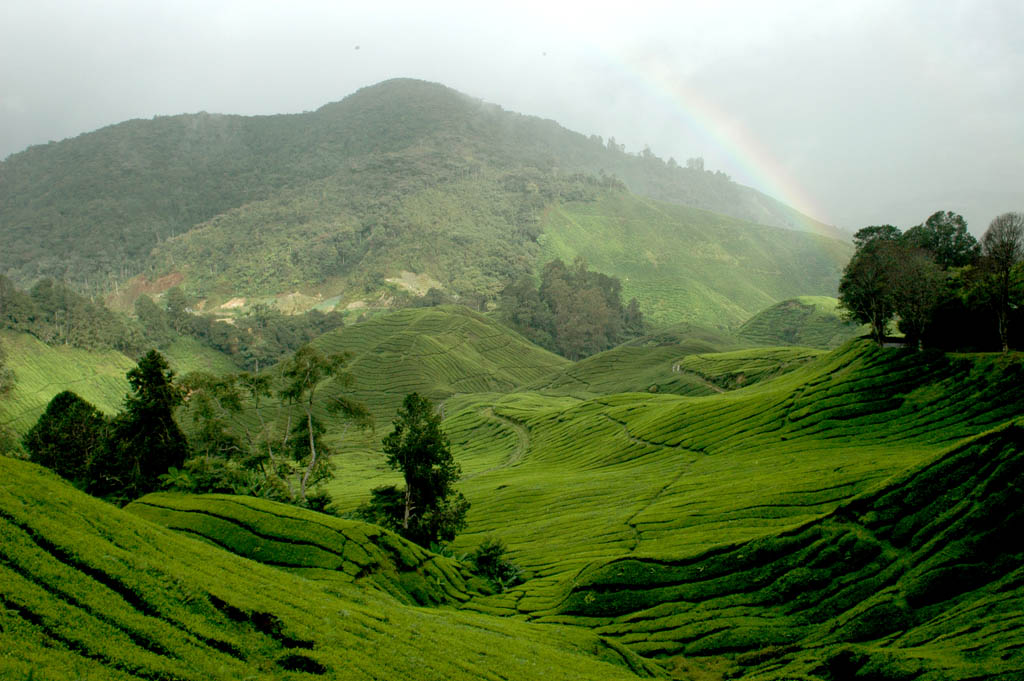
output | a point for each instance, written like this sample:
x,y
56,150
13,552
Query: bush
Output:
x,y
490,561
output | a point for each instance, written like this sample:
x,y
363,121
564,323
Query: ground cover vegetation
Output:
x,y
946,289
337,207
810,321
694,502
91,591
660,491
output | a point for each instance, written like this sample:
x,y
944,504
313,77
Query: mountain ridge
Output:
x,y
90,209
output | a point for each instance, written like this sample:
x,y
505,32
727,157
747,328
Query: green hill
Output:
x,y
813,321
646,364
920,579
683,264
839,515
98,376
401,177
657,475
313,545
439,352
94,592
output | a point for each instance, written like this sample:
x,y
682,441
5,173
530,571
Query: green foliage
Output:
x,y
431,511
576,312
490,560
91,591
145,441
90,210
866,292
56,315
944,235
302,375
683,264
1002,246
68,437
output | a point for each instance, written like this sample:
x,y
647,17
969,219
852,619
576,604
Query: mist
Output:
x,y
861,113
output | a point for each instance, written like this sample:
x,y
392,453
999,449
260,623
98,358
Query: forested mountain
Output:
x,y
401,175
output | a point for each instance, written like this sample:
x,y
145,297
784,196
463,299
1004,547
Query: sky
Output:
x,y
857,112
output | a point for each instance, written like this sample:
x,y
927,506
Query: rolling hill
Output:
x,y
91,591
98,376
837,515
814,321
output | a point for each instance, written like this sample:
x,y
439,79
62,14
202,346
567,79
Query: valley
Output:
x,y
732,482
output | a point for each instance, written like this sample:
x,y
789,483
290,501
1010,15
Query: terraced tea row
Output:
x,y
920,579
659,475
314,545
90,591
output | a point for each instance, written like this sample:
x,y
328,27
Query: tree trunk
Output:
x,y
312,455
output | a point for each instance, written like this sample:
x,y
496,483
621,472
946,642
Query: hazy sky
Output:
x,y
857,112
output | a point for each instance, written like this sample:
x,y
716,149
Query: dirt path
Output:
x,y
522,443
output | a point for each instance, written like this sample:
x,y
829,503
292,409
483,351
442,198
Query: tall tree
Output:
x,y
67,437
1002,246
866,289
429,509
303,374
145,439
917,286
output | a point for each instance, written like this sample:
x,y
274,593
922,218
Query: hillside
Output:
x,y
657,475
95,592
839,515
403,176
814,321
688,265
98,376
921,579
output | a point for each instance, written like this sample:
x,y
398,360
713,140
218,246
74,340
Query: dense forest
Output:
x,y
575,311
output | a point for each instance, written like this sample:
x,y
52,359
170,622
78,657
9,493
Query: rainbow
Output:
x,y
760,168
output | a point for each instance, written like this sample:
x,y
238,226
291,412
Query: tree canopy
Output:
x,y
575,312
429,509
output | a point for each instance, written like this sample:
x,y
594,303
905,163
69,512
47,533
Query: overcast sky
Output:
x,y
857,112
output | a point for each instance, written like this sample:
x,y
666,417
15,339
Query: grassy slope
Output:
x,y
438,352
42,371
921,579
807,320
684,264
314,545
641,474
680,360
90,591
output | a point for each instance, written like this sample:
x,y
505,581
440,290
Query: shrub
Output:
x,y
490,560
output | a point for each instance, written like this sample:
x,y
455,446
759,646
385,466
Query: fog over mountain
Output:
x,y
856,114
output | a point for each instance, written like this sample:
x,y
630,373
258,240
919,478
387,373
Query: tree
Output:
x,y
1002,246
866,289
429,509
304,373
917,286
145,440
875,233
945,236
7,439
67,437
6,374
